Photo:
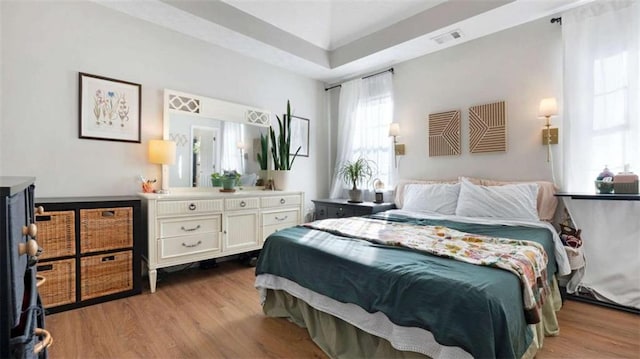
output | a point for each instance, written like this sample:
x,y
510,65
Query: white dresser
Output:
x,y
193,225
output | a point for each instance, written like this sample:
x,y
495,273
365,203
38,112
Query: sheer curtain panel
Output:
x,y
364,114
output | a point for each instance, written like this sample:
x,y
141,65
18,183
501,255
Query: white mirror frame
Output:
x,y
201,106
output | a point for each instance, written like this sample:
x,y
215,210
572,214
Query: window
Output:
x,y
370,136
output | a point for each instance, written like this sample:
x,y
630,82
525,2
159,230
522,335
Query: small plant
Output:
x,y
216,179
280,151
356,172
263,156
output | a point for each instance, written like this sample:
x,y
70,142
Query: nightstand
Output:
x,y
340,208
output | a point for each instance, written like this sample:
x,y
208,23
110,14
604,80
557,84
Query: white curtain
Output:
x,y
364,114
231,157
601,99
601,127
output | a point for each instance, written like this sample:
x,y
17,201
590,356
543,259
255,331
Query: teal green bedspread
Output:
x,y
476,308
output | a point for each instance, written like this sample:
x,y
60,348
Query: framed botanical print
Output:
x,y
109,109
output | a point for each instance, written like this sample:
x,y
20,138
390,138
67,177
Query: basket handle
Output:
x,y
45,342
40,279
108,213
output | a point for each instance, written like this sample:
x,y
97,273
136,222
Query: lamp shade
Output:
x,y
394,129
548,107
162,152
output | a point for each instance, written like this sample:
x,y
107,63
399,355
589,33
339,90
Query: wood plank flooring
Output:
x,y
215,313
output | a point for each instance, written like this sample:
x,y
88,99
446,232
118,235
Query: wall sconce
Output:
x,y
163,152
549,108
398,148
241,146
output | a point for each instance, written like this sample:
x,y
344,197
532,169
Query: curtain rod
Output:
x,y
364,77
556,19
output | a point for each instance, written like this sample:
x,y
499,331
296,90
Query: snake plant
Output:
x,y
280,151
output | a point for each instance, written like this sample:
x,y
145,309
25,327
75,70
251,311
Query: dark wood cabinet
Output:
x,y
341,208
92,249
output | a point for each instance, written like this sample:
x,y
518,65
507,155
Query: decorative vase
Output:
x,y
355,195
281,180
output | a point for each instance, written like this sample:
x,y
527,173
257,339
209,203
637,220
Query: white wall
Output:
x,y
520,66
46,44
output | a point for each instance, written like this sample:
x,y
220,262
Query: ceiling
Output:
x,y
331,40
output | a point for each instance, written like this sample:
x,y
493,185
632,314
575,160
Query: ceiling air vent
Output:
x,y
446,37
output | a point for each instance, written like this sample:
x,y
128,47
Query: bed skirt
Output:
x,y
338,337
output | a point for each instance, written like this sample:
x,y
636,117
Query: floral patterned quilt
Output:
x,y
526,259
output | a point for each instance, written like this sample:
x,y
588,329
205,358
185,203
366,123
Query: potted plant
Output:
x,y
216,179
263,156
281,149
229,180
354,173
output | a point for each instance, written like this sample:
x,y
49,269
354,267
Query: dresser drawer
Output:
x,y
281,201
166,208
232,204
187,245
280,217
172,227
269,230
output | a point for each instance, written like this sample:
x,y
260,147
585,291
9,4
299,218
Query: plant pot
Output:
x,y
355,195
216,182
228,183
281,180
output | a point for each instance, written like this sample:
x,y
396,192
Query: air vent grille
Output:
x,y
449,36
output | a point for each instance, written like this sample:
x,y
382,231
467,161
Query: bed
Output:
x,y
363,298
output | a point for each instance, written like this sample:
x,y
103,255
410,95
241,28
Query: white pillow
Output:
x,y
512,201
434,198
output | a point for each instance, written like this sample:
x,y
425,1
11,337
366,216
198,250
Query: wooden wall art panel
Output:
x,y
444,133
488,128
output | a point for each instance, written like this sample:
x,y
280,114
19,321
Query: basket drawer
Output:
x,y
56,234
60,285
280,201
106,228
106,274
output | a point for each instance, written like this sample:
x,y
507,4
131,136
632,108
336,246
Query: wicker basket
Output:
x,y
106,228
106,274
56,234
60,285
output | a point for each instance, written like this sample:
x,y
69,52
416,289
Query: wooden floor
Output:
x,y
215,313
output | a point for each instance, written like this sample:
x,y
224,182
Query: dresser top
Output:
x,y
10,185
214,193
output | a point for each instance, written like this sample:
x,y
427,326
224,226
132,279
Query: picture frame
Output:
x,y
109,109
299,136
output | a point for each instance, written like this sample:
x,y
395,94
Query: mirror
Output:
x,y
212,136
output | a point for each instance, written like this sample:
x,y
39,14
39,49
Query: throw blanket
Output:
x,y
526,259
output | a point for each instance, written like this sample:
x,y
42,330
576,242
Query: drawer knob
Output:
x,y
38,210
29,248
281,218
243,204
192,206
190,229
191,245
46,341
31,230
282,201
322,212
